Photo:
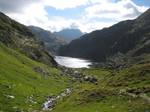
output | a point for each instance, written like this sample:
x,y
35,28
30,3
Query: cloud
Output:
x,y
19,5
110,12
65,3
96,14
14,5
121,10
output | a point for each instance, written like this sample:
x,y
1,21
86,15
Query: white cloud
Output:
x,y
114,11
65,3
34,13
121,10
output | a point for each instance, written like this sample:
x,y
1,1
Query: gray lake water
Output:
x,y
72,62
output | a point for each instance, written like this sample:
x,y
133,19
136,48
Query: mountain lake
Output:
x,y
73,62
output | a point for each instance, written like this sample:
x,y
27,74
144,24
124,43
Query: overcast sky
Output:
x,y
87,15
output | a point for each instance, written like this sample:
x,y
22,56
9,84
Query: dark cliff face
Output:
x,y
17,36
122,37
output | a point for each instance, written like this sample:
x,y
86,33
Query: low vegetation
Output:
x,y
116,91
22,87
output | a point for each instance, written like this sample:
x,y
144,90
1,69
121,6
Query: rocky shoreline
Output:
x,y
77,75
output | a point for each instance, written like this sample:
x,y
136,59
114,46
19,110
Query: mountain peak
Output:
x,y
121,37
2,14
144,17
4,18
69,34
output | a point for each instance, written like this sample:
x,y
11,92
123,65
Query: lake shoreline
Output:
x,y
71,62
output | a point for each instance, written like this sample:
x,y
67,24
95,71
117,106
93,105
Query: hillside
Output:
x,y
130,35
20,38
126,90
51,41
69,34
27,71
25,83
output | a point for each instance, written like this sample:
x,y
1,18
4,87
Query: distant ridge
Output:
x,y
69,34
50,40
130,37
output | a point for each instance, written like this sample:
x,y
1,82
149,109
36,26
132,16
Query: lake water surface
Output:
x,y
72,62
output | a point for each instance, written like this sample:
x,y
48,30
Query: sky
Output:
x,y
86,15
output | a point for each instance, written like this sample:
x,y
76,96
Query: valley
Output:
x,y
108,71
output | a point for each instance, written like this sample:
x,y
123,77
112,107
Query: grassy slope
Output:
x,y
106,96
18,79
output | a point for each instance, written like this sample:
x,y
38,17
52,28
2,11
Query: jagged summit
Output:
x,y
145,15
144,18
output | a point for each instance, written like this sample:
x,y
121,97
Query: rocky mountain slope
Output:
x,y
131,37
69,34
20,38
50,40
28,73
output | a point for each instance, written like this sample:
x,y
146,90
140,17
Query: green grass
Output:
x,y
18,79
135,76
105,96
108,104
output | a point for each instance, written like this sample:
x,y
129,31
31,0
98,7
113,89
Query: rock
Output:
x,y
30,99
68,91
15,107
58,97
49,104
76,72
122,91
10,96
41,71
144,96
90,79
63,94
51,101
112,106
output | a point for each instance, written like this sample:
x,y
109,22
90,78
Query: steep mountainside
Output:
x,y
27,71
19,37
69,34
25,83
51,41
130,35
